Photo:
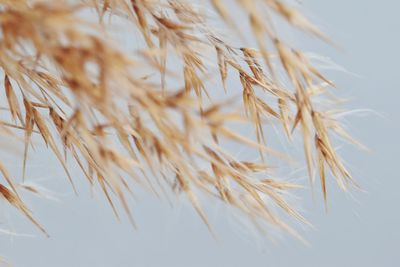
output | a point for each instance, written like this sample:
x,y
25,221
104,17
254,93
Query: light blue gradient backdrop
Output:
x,y
360,231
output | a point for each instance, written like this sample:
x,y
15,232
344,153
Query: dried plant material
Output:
x,y
131,118
15,201
4,261
12,100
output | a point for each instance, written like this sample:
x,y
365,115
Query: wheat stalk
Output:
x,y
69,82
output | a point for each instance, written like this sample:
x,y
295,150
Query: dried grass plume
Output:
x,y
148,115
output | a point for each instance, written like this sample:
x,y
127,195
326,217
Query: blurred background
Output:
x,y
359,229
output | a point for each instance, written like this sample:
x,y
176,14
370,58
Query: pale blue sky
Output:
x,y
357,231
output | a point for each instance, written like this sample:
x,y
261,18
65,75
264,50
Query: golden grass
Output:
x,y
67,81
